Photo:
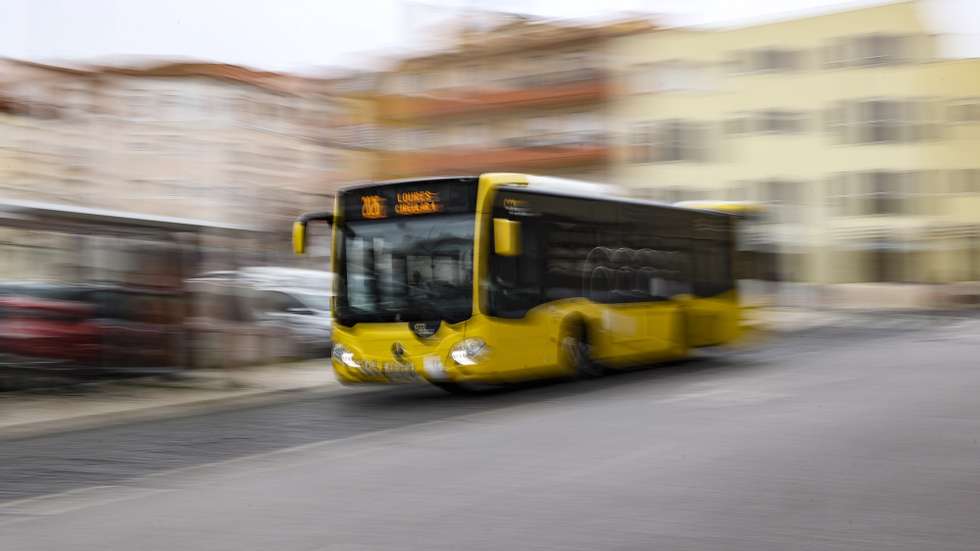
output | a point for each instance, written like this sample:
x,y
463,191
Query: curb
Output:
x,y
153,413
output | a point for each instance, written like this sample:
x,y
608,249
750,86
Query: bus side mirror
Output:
x,y
299,237
299,228
506,237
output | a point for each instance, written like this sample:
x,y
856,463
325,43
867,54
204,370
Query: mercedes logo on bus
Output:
x,y
425,329
398,351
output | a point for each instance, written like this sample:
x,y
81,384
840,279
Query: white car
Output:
x,y
304,314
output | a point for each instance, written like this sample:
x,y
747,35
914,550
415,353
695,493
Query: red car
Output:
x,y
48,328
91,326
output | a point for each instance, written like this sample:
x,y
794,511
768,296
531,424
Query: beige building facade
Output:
x,y
864,143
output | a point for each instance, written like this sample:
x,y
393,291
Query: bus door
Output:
x,y
713,310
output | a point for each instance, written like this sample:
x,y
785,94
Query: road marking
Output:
x,y
72,500
725,397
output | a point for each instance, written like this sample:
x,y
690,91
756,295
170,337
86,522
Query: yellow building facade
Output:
x,y
864,142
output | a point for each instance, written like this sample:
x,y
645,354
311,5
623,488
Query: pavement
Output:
x,y
45,410
862,437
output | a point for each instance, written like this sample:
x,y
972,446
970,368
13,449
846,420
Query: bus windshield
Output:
x,y
406,269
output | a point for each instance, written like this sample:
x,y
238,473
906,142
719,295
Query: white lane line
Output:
x,y
71,500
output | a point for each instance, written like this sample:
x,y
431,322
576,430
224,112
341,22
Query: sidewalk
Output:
x,y
792,319
29,413
775,320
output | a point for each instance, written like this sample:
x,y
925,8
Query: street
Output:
x,y
857,437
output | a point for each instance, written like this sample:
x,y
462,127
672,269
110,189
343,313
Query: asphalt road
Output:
x,y
856,438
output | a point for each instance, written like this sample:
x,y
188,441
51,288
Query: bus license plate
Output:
x,y
400,372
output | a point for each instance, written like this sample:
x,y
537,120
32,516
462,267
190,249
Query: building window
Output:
x,y
869,50
880,49
886,194
766,60
674,76
779,122
837,194
964,111
882,120
874,193
887,259
784,199
835,121
769,121
677,141
669,141
642,143
965,182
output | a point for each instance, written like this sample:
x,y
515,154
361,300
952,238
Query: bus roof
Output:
x,y
557,186
593,190
731,207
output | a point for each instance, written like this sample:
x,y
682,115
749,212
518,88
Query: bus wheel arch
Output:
x,y
575,342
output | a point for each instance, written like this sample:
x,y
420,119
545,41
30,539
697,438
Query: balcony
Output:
x,y
523,154
546,90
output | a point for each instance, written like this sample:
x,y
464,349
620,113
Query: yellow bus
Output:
x,y
508,277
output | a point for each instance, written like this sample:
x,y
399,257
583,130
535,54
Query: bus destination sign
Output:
x,y
409,203
401,199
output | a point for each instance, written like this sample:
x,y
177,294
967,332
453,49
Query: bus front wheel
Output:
x,y
576,352
455,388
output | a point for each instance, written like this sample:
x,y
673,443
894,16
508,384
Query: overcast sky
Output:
x,y
298,34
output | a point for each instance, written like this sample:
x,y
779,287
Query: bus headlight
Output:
x,y
469,351
346,356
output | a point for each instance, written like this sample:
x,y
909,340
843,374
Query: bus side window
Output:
x,y
659,266
569,243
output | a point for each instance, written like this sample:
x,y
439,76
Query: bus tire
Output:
x,y
682,338
456,388
575,351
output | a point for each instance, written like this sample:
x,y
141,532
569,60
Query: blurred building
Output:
x,y
214,143
208,141
510,94
865,144
354,129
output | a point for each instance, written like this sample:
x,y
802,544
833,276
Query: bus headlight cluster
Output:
x,y
345,356
469,351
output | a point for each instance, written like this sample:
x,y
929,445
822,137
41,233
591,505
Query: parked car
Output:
x,y
292,278
271,276
303,313
41,322
88,325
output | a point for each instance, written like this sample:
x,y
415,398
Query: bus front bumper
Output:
x,y
412,370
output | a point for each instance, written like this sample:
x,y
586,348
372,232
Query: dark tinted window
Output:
x,y
609,252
